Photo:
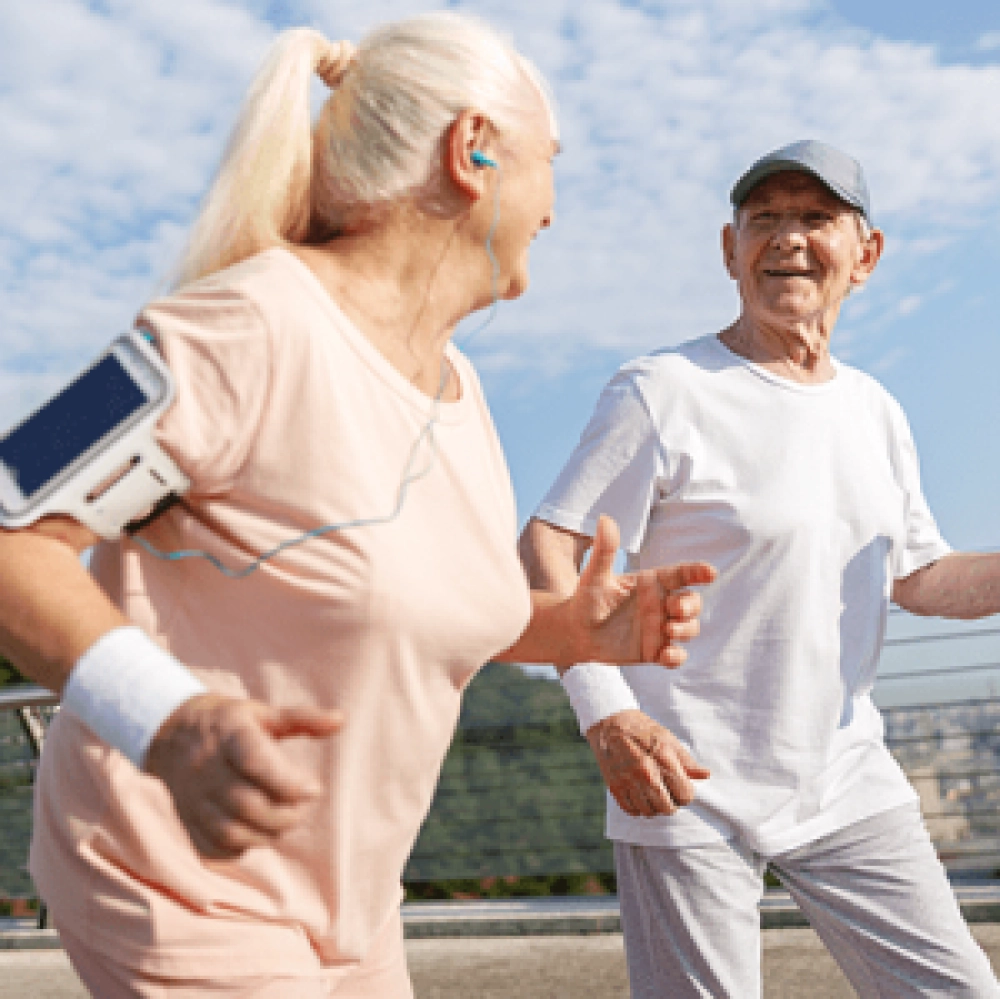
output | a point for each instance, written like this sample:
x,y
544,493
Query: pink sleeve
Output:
x,y
215,342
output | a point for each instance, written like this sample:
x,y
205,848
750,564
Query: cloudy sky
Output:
x,y
113,114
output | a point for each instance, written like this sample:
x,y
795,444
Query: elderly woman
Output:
x,y
797,477
206,823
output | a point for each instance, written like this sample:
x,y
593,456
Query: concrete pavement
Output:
x,y
796,966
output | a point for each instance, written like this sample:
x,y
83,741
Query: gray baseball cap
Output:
x,y
838,171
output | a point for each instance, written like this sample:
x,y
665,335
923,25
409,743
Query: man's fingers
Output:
x,y
646,769
691,767
678,768
658,798
624,796
602,553
644,795
677,781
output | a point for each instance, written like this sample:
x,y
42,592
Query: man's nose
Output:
x,y
791,231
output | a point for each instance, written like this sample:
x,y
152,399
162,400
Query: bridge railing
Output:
x,y
521,796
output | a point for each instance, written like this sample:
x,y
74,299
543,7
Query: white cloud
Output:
x,y
112,123
989,42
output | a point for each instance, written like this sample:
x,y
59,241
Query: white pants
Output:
x,y
875,893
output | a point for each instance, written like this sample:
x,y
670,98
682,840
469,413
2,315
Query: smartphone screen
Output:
x,y
51,439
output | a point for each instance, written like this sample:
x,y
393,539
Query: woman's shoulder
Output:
x,y
266,281
260,305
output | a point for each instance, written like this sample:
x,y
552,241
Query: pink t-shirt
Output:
x,y
287,419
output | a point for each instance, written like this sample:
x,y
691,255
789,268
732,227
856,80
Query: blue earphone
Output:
x,y
480,160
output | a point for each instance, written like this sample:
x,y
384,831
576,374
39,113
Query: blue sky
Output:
x,y
114,114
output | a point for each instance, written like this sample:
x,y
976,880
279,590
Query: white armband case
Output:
x,y
89,452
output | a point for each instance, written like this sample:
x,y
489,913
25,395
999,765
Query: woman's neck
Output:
x,y
404,284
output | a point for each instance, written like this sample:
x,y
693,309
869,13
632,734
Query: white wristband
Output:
x,y
596,692
124,687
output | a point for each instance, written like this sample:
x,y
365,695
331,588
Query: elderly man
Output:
x,y
797,476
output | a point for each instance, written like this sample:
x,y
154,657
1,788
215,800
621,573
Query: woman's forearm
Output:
x,y
51,611
552,635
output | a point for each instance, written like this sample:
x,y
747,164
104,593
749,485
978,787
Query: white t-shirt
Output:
x,y
807,500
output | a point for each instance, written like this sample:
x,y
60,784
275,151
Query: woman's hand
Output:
x,y
637,617
598,615
233,787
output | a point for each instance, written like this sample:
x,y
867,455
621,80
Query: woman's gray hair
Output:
x,y
378,138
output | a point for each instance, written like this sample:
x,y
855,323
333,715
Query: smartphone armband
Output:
x,y
90,451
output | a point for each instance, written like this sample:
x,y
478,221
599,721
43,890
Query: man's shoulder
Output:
x,y
675,365
869,391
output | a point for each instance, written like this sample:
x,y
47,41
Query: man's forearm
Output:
x,y
960,585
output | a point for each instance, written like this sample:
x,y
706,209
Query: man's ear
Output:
x,y
729,249
868,257
470,132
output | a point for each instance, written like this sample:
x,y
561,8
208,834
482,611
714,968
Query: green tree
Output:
x,y
519,809
9,674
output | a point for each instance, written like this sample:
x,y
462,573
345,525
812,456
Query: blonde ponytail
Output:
x,y
260,196
378,137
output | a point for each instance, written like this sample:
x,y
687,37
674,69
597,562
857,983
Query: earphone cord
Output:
x,y
494,263
409,476
410,473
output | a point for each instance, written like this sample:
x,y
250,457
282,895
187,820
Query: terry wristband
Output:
x,y
124,687
596,692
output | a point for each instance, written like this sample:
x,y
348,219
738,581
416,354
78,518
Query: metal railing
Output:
x,y
30,709
520,794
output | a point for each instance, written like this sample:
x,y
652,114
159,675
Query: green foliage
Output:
x,y
519,810
511,886
520,805
16,772
9,674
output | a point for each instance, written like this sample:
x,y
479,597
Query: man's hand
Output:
x,y
636,617
646,769
232,786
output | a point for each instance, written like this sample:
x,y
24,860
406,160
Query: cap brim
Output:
x,y
761,171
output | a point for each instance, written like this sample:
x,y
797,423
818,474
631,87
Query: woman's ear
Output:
x,y
470,133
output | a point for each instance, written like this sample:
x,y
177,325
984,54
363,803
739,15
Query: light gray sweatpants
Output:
x,y
875,893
